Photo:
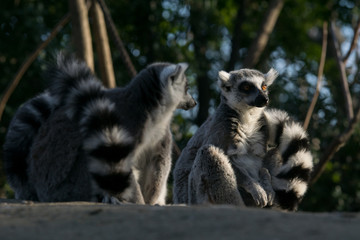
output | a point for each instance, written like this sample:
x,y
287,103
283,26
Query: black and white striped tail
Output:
x,y
72,82
108,146
21,133
106,143
291,178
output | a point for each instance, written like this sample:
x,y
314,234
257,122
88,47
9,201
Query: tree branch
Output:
x,y
120,45
343,137
344,82
102,46
81,36
320,75
235,41
353,42
12,85
334,146
266,28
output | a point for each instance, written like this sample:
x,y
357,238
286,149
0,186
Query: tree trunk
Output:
x,y
198,21
262,38
81,36
236,36
118,42
102,46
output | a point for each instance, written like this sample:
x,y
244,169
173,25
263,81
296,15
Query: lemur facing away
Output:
x,y
81,142
245,153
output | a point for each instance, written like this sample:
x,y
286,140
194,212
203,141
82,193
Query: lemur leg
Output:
x,y
181,175
156,171
155,188
212,179
180,187
137,196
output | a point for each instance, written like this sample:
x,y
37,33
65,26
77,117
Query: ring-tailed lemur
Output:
x,y
112,145
245,153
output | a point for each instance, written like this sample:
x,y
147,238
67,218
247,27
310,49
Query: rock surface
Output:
x,y
80,220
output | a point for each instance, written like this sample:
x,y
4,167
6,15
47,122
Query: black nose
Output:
x,y
190,104
261,100
186,105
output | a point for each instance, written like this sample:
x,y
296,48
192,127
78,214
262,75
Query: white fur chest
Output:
x,y
248,140
248,149
155,127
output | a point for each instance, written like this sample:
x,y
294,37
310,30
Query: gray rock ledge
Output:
x,y
83,220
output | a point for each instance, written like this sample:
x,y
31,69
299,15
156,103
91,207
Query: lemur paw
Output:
x,y
258,194
111,200
265,179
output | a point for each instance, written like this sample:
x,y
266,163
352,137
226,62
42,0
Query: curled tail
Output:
x,y
291,162
19,139
105,142
71,83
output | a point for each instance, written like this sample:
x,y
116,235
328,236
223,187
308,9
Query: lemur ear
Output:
x,y
270,76
223,80
179,71
173,72
183,66
224,76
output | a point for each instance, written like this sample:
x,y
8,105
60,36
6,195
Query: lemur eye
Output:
x,y
245,87
264,87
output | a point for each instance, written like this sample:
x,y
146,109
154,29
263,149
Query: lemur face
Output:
x,y
176,84
246,87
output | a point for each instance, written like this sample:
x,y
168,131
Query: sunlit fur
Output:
x,y
98,144
263,149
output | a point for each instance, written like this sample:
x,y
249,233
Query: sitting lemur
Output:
x,y
245,153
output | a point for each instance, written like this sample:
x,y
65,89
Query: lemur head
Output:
x,y
246,87
175,84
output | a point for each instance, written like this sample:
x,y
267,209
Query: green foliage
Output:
x,y
200,33
338,189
